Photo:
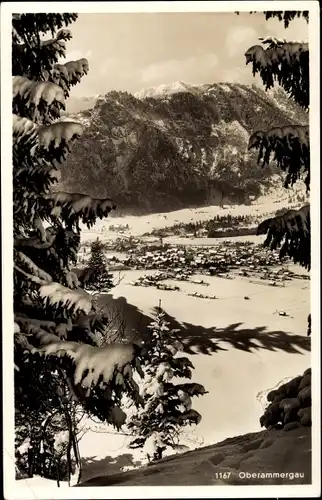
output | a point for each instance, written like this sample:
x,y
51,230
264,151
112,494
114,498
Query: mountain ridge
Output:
x,y
176,145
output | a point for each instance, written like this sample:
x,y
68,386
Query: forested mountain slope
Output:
x,y
175,146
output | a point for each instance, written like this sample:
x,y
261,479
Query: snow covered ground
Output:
x,y
146,223
240,348
273,456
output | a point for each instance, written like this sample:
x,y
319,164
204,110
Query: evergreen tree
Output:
x,y
286,64
58,362
98,277
167,404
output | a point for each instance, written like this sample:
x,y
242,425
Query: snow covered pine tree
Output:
x,y
286,63
96,275
57,362
167,405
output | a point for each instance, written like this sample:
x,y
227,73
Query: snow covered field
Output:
x,y
240,348
139,225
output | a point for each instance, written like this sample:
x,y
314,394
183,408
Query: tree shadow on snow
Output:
x,y
93,466
128,318
198,339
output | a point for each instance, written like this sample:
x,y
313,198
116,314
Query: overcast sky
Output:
x,y
134,51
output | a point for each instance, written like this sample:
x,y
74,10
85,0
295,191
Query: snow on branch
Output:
x,y
37,153
285,63
29,95
76,69
93,364
192,389
26,63
68,74
23,128
278,52
57,132
58,42
36,242
291,232
74,206
57,295
39,227
42,323
22,340
32,267
289,146
32,329
274,42
34,279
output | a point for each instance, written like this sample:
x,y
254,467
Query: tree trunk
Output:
x,y
30,461
58,473
69,447
78,458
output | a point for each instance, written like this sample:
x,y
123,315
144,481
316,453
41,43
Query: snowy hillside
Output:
x,y
268,454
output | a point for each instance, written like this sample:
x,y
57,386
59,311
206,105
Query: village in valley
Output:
x,y
188,252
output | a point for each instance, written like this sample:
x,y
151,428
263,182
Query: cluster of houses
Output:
x,y
176,275
225,259
155,281
118,228
242,257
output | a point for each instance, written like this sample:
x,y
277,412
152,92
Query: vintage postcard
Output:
x,y
161,249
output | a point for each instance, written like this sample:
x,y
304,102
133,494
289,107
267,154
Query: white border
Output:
x,y
7,9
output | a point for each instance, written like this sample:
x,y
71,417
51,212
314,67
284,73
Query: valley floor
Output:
x,y
139,225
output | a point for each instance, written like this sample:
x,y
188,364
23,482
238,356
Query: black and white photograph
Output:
x,y
160,177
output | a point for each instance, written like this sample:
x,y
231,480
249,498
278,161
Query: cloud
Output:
x,y
239,39
107,65
179,69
